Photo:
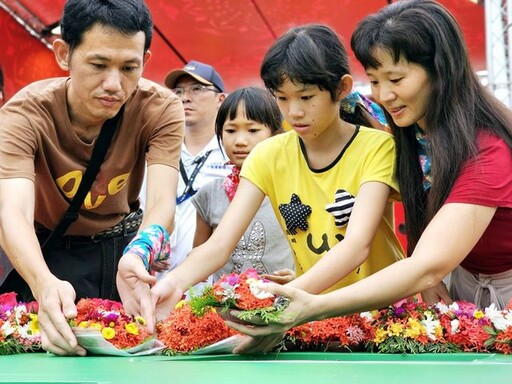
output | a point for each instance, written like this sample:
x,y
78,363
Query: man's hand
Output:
x,y
160,266
56,299
436,294
133,284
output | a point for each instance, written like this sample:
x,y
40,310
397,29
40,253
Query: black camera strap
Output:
x,y
98,154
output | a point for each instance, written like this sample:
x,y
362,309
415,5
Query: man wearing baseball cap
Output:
x,y
203,73
201,91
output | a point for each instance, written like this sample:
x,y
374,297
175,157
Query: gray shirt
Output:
x,y
263,246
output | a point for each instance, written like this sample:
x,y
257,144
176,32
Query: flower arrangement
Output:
x,y
184,331
501,330
465,326
108,317
240,292
19,327
408,327
346,333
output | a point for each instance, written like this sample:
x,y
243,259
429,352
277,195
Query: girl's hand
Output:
x,y
165,295
283,276
265,336
134,283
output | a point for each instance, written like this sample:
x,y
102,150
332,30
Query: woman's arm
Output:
x,y
354,249
446,241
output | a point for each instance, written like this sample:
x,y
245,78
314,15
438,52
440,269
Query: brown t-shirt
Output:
x,y
38,143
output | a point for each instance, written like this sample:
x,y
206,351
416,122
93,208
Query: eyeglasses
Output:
x,y
194,90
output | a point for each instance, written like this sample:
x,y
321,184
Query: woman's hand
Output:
x,y
436,294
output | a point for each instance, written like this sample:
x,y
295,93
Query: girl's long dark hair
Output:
x,y
425,33
310,54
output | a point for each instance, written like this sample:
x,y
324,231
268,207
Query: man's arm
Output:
x,y
162,183
133,280
19,241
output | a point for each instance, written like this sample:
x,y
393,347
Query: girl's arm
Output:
x,y
203,231
354,249
207,258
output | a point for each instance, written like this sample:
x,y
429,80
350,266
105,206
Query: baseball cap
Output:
x,y
203,73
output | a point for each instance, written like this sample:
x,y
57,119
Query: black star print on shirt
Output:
x,y
295,214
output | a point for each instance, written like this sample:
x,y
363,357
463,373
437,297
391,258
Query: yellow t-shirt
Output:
x,y
313,206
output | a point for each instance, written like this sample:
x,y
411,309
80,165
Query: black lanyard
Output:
x,y
189,191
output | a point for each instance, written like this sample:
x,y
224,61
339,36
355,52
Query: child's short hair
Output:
x,y
259,105
309,54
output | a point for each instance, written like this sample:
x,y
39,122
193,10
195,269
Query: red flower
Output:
x,y
8,299
184,332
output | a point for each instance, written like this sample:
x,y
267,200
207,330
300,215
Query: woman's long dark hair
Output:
x,y
425,33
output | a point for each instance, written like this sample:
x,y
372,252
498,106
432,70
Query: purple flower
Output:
x,y
111,317
232,279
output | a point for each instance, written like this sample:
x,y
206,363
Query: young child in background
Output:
x,y
329,182
245,118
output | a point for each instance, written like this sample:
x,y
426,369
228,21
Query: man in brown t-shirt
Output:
x,y
48,132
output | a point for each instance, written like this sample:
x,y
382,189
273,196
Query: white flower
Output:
x,y
430,325
442,308
501,320
455,325
19,311
366,315
228,292
7,329
256,289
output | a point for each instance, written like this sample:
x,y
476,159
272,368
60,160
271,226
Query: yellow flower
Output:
x,y
97,326
34,324
108,333
180,304
478,314
414,329
140,320
380,336
84,324
111,324
132,328
395,329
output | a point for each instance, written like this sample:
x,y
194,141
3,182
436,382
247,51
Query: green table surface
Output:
x,y
284,368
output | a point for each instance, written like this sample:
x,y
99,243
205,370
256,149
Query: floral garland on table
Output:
x,y
19,327
109,317
407,327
